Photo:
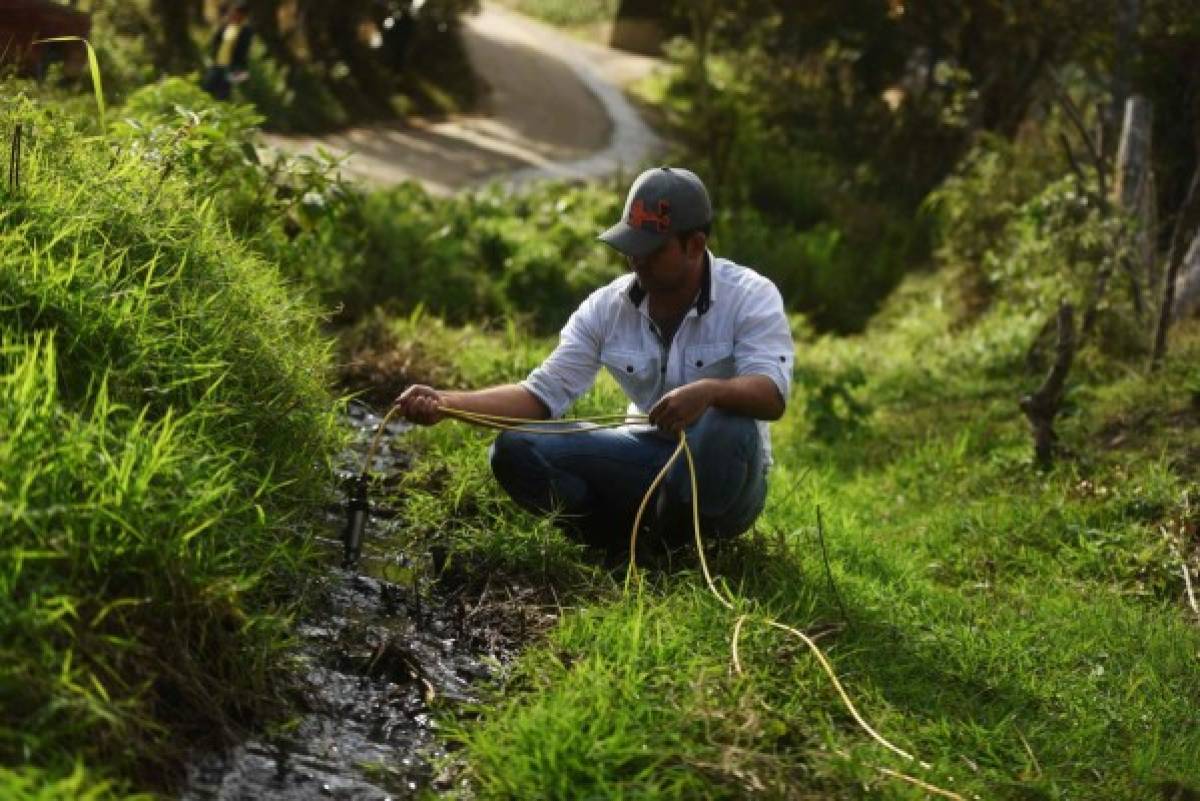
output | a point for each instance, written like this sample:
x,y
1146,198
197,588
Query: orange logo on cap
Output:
x,y
639,216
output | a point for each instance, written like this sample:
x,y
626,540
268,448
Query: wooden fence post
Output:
x,y
1187,286
1133,193
1189,216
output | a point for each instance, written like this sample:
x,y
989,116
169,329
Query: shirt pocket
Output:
x,y
634,370
708,361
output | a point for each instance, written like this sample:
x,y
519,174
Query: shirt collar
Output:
x,y
704,300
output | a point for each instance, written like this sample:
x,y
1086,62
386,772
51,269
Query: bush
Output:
x,y
1018,230
475,257
167,430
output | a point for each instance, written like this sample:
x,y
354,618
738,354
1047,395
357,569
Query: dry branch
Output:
x,y
1043,406
1095,152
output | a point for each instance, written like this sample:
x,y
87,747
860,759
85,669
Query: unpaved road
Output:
x,y
555,109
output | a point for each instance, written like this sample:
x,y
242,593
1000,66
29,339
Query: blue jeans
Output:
x,y
596,481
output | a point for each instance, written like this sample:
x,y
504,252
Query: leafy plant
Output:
x,y
832,406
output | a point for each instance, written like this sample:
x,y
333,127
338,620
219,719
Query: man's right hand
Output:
x,y
420,404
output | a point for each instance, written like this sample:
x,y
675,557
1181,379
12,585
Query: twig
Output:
x,y
737,633
1096,197
904,777
419,674
1181,555
837,628
1077,120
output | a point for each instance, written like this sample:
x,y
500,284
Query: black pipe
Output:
x,y
357,512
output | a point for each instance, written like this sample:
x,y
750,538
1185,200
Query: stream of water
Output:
x,y
379,658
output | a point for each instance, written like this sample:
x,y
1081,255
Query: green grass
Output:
x,y
166,429
1022,631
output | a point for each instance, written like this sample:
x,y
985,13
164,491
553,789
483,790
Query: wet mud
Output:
x,y
386,651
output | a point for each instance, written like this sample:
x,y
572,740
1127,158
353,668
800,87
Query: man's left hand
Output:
x,y
682,406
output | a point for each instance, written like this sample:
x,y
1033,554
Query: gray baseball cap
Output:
x,y
662,202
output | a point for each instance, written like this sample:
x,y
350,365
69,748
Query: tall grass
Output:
x,y
166,429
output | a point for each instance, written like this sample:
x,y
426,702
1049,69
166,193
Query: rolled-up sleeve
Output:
x,y
763,338
569,371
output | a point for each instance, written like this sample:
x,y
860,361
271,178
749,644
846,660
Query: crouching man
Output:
x,y
697,342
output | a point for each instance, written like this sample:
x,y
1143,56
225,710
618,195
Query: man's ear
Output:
x,y
696,244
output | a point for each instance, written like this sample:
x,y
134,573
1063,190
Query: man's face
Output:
x,y
667,268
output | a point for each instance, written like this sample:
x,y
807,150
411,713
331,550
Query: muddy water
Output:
x,y
380,657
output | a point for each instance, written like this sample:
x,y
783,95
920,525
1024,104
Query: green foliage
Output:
x,y
474,257
1018,231
490,255
481,256
291,98
32,785
124,56
294,211
832,236
886,98
167,429
310,69
831,406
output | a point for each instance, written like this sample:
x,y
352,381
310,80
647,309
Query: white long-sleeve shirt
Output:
x,y
736,327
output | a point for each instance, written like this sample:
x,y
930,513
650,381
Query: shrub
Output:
x,y
1019,231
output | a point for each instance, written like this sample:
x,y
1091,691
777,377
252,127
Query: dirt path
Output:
x,y
555,109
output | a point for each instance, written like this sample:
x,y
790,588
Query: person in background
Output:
x,y
228,52
697,342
